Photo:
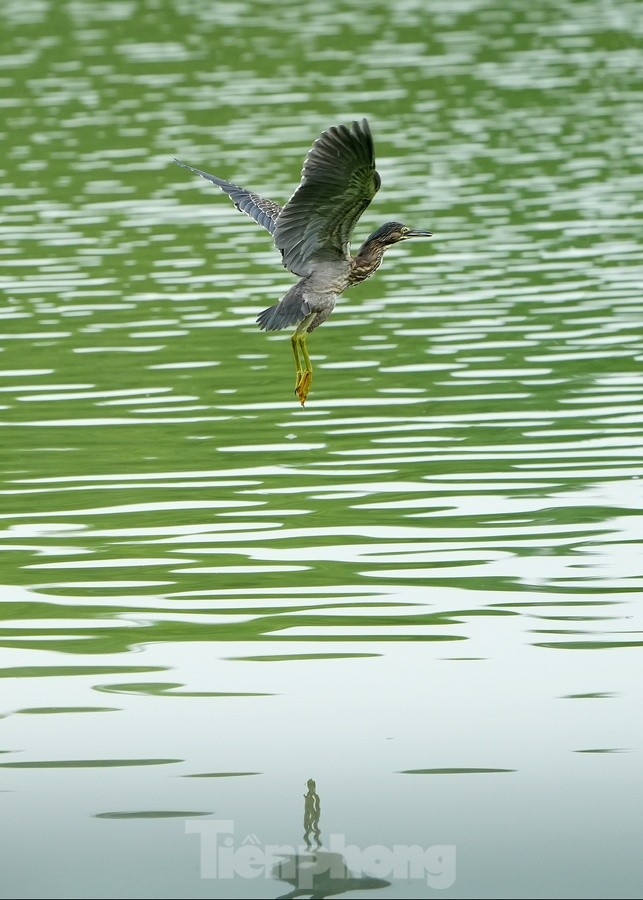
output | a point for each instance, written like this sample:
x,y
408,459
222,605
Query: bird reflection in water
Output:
x,y
319,873
312,812
313,233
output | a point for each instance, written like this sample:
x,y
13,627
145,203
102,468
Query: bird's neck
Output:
x,y
366,261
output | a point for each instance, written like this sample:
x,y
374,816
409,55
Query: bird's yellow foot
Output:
x,y
302,386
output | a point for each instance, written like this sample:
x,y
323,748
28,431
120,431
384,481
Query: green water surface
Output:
x,y
423,590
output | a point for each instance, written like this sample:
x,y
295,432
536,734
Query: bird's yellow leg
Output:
x,y
304,375
307,374
295,351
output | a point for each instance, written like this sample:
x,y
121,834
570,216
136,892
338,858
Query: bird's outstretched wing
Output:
x,y
264,212
338,182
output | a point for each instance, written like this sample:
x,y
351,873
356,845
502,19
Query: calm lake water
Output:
x,y
422,592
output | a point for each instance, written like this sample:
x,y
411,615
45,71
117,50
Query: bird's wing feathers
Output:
x,y
264,212
338,182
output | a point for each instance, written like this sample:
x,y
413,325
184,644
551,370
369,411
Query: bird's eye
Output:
x,y
404,229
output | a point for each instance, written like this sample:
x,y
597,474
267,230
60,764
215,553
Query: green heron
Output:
x,y
313,232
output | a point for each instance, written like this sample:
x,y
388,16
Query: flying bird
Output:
x,y
313,233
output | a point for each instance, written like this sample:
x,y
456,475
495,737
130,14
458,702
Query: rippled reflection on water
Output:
x,y
212,596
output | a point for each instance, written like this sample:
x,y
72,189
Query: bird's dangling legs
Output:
x,y
303,364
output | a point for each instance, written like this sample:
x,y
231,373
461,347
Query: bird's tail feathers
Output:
x,y
290,310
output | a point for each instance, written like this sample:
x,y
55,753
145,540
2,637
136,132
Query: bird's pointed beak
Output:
x,y
414,233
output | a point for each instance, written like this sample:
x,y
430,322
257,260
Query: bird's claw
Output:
x,y
302,386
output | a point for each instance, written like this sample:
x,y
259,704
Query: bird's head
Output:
x,y
393,232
